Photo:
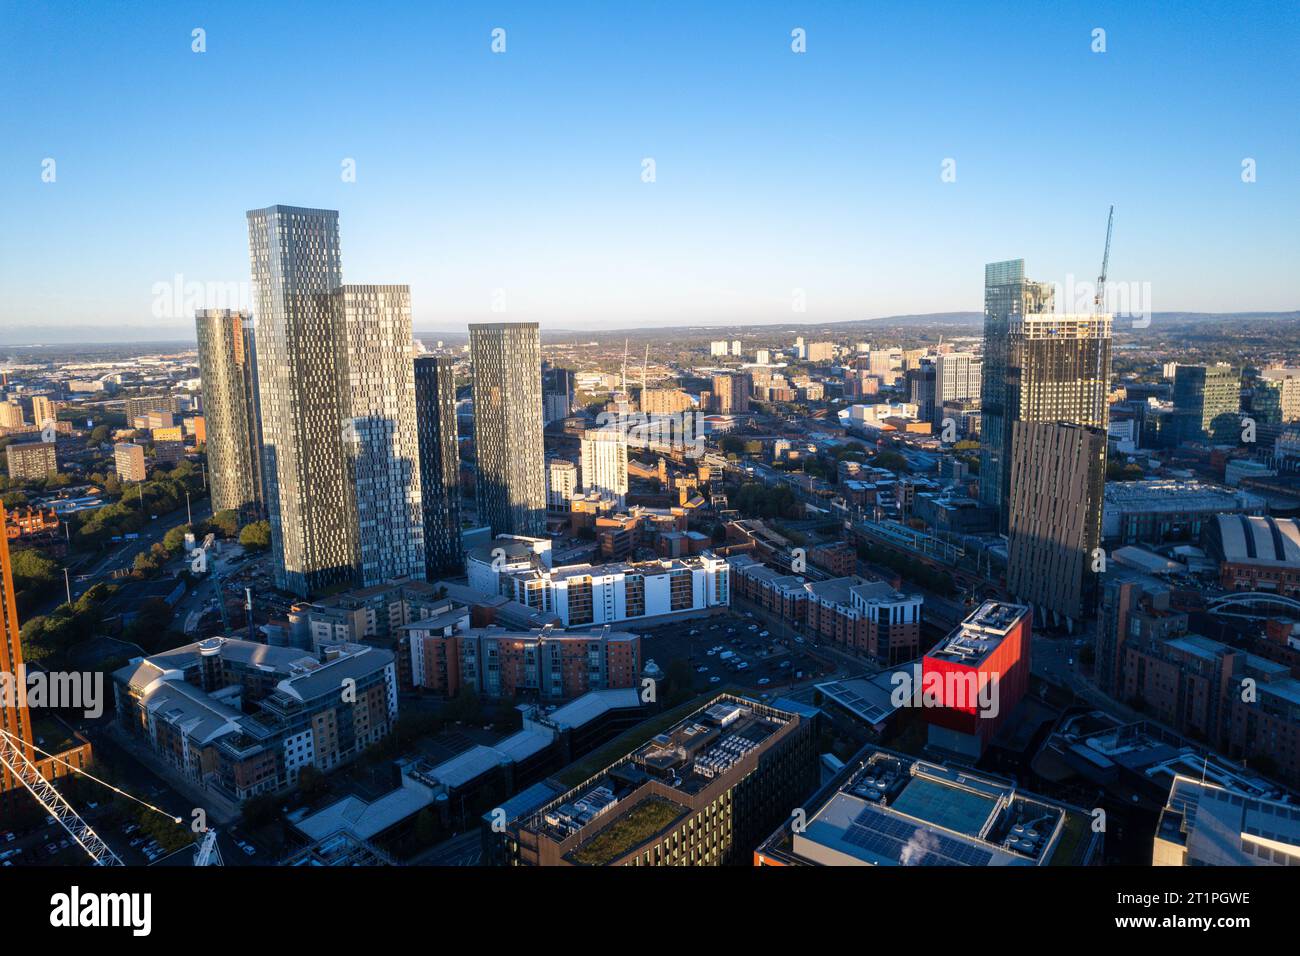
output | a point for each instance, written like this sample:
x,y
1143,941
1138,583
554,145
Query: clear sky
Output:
x,y
774,171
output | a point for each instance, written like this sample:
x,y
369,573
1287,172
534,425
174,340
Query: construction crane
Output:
x,y
1099,297
206,854
13,756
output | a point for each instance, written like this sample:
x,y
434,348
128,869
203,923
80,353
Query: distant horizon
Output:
x,y
178,333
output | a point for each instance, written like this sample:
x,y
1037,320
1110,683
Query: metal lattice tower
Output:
x,y
29,775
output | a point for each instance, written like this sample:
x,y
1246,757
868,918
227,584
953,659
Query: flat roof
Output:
x,y
975,638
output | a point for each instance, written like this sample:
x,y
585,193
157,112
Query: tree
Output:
x,y
226,523
174,539
256,536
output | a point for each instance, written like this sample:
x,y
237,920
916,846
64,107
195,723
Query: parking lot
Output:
x,y
734,648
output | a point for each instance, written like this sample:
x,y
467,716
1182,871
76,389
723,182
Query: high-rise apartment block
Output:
x,y
337,394
44,410
561,484
381,444
128,461
295,262
228,368
435,419
1058,471
1008,295
32,460
604,463
731,393
511,477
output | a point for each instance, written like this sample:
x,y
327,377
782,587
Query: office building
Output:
x,y
1276,398
1205,824
295,263
228,368
701,793
897,810
511,470
604,463
1058,471
972,680
128,461
435,420
1207,404
957,378
921,389
33,460
1008,295
242,719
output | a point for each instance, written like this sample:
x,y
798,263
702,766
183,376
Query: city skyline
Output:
x,y
818,185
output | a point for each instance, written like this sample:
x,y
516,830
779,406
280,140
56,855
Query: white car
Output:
x,y
764,681
762,633
714,680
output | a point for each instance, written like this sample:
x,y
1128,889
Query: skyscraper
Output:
x,y
15,719
435,420
1057,369
1058,470
382,447
1207,403
511,478
228,368
1007,294
295,262
957,377
557,393
604,463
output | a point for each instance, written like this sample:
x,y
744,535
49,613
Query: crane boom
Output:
x,y
1105,263
29,775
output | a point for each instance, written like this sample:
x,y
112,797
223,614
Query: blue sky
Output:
x,y
775,171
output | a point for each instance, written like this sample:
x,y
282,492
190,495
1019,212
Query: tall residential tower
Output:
x,y
1007,296
435,418
295,260
228,368
511,480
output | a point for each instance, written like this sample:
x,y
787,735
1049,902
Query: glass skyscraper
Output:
x,y
380,440
435,417
511,477
295,262
1007,295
